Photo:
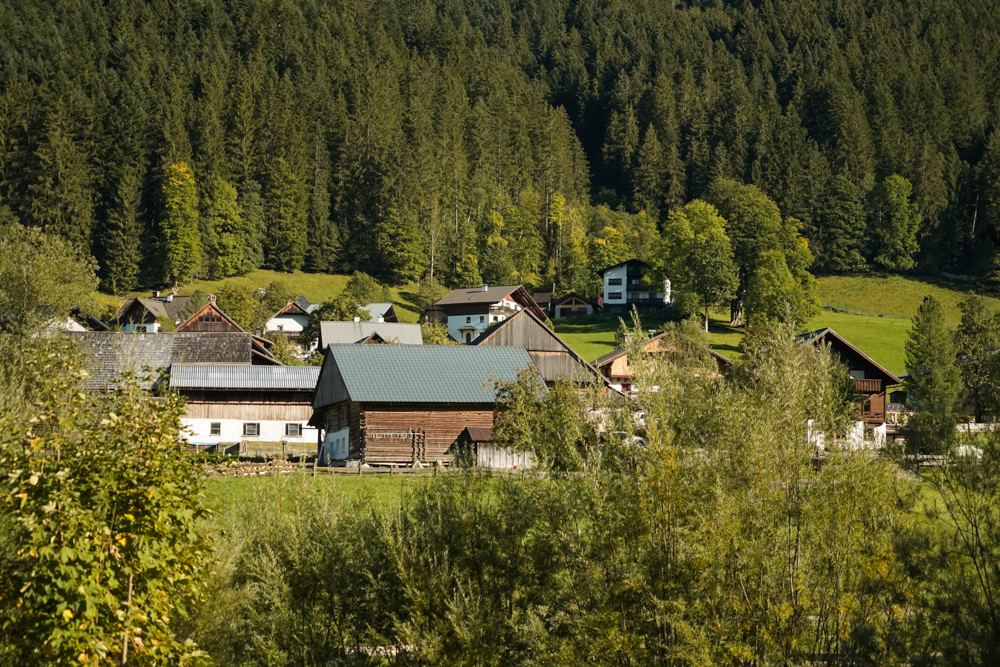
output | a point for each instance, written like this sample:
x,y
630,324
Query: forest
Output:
x,y
507,142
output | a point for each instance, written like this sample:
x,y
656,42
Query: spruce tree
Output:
x,y
285,217
934,382
894,223
252,207
976,342
400,248
122,234
649,174
62,196
842,227
179,225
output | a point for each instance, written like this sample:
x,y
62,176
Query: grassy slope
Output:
x,y
892,296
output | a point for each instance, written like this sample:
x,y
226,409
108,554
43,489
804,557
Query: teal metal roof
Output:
x,y
416,373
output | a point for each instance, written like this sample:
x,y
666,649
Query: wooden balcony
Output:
x,y
868,386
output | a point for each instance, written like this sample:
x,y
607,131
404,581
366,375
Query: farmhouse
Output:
x,y
147,356
348,333
406,404
289,321
469,312
211,319
544,300
554,359
870,379
614,366
258,407
632,283
146,313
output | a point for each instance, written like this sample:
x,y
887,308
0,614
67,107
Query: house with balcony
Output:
x,y
871,381
469,312
633,283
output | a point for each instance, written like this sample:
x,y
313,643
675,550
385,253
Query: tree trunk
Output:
x,y
706,315
736,313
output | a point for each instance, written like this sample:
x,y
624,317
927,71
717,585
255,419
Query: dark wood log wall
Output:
x,y
441,427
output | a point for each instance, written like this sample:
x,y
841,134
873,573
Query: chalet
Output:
x,y
113,355
348,333
211,319
469,312
870,379
614,366
381,312
406,404
146,313
261,408
572,304
632,283
289,321
554,359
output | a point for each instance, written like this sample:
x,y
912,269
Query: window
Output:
x,y
251,429
858,375
482,318
293,429
494,319
215,428
468,320
614,295
281,327
614,281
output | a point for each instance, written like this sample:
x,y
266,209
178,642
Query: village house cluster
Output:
x,y
381,396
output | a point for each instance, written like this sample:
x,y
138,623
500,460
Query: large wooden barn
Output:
x,y
403,404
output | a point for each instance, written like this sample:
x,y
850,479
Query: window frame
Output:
x,y
215,428
256,426
298,427
615,296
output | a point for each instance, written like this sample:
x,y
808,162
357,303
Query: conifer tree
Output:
x,y
62,197
323,242
467,272
252,207
976,342
843,227
934,381
122,234
179,225
649,174
400,248
496,261
895,221
285,218
231,235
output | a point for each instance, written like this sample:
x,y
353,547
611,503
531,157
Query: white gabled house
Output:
x,y
629,284
290,321
469,312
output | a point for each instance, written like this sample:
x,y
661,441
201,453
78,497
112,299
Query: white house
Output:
x,y
290,321
628,284
469,312
255,406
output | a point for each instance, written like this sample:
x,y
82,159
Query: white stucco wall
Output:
x,y
199,431
616,273
457,322
152,327
336,445
287,323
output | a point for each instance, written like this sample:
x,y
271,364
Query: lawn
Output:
x,y
893,296
227,493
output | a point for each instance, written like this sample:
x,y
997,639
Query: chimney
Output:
x,y
381,319
170,297
484,287
357,319
156,294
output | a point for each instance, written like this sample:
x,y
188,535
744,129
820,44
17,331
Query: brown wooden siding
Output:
x,y
440,426
292,412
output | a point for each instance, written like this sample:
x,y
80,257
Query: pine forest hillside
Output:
x,y
507,142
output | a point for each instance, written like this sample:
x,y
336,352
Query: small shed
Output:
x,y
479,441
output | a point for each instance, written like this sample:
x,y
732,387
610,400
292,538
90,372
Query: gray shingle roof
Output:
x,y
416,374
116,353
159,306
377,310
236,377
346,333
493,294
